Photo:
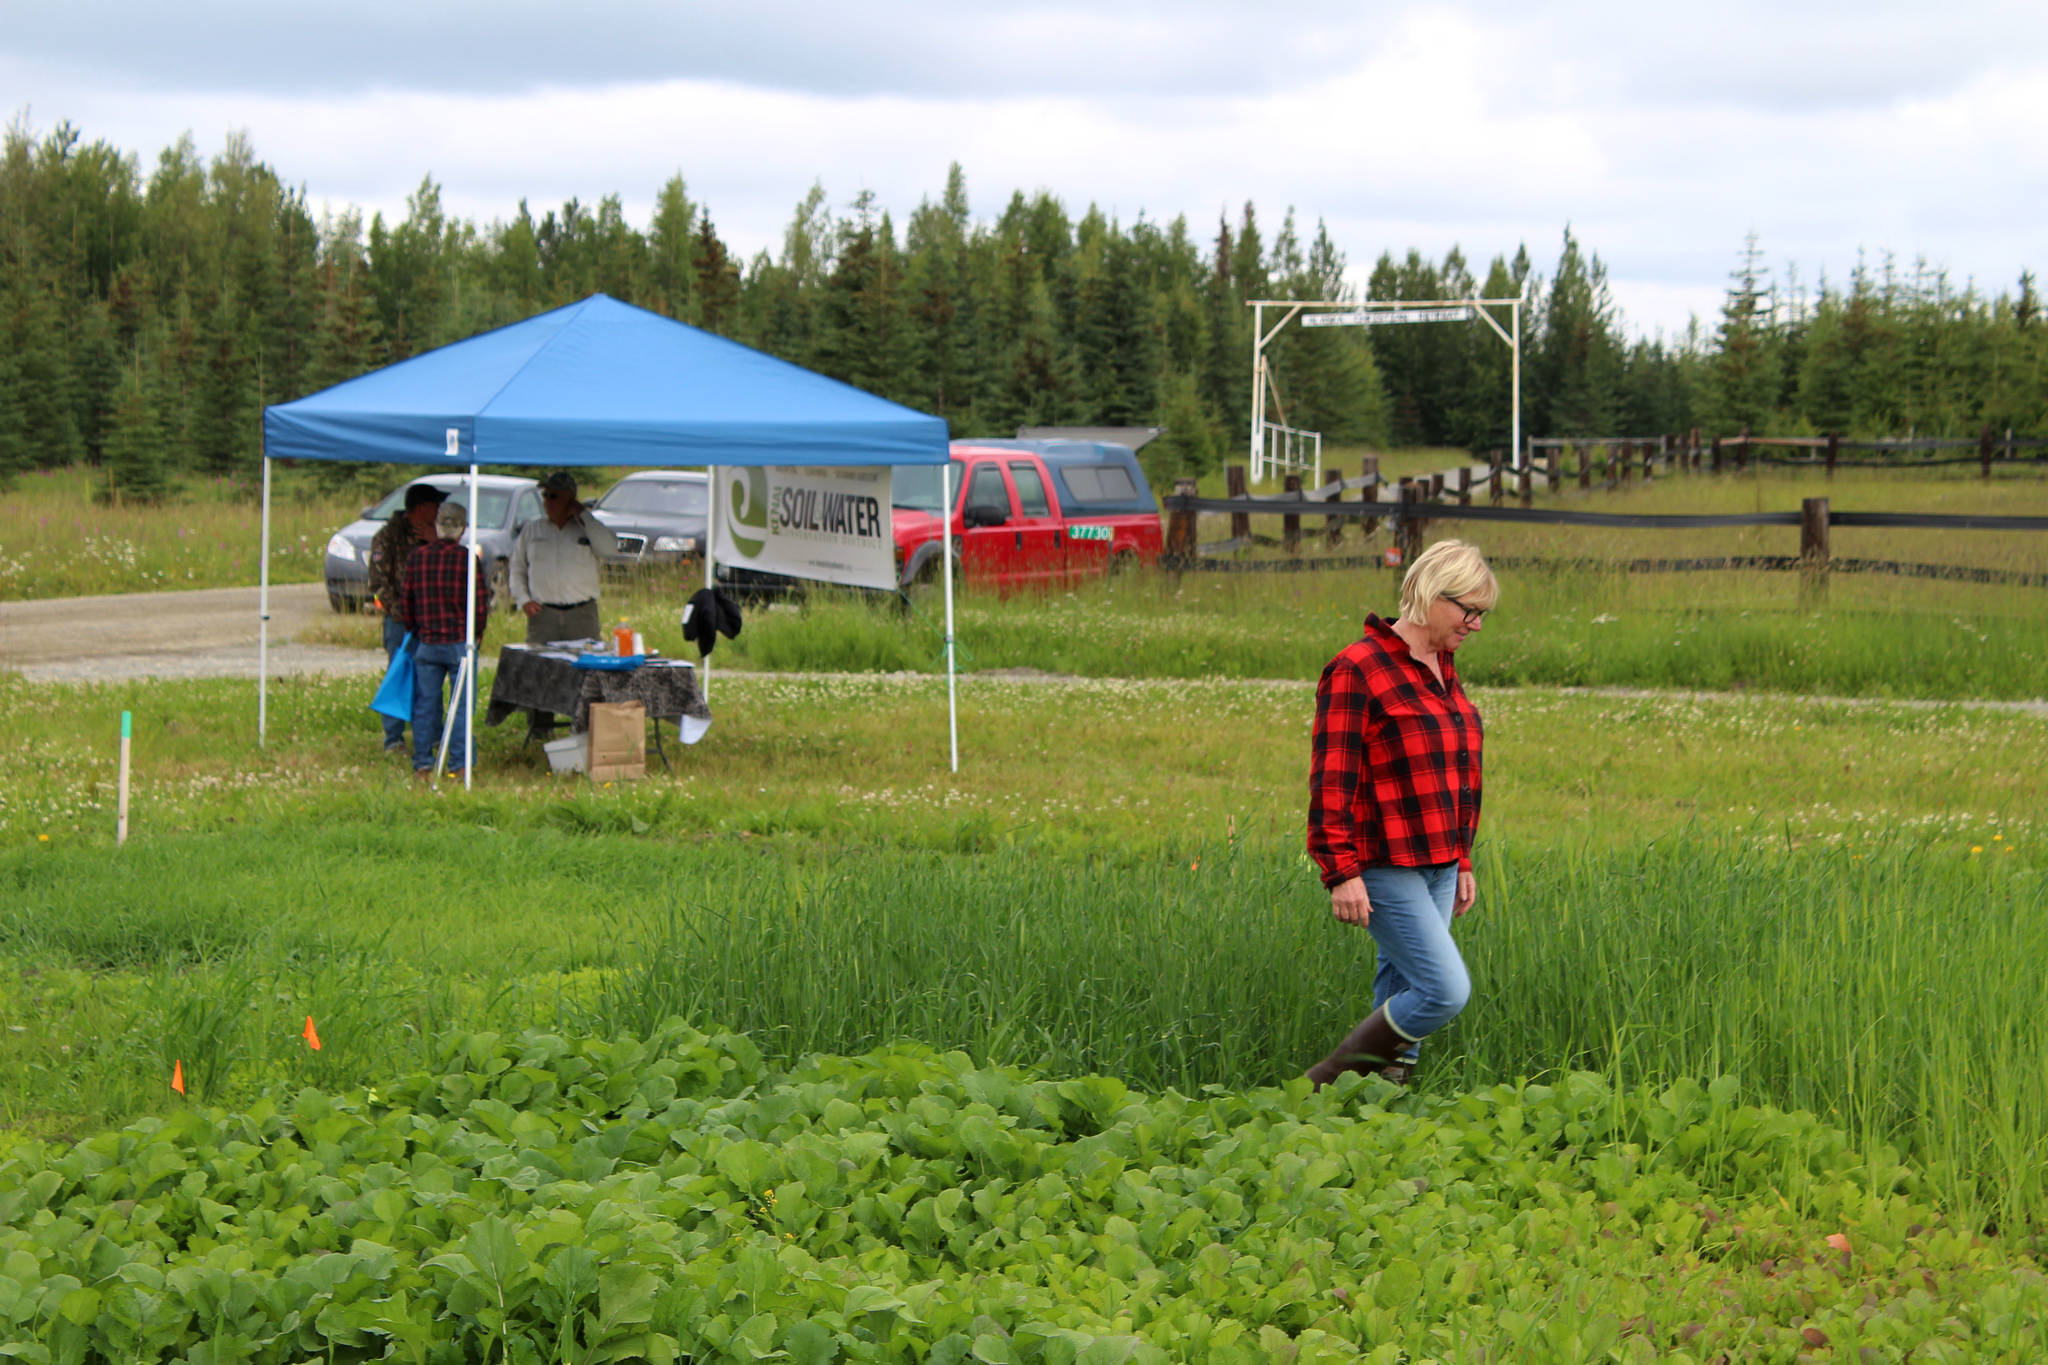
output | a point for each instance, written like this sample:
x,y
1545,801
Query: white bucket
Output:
x,y
571,755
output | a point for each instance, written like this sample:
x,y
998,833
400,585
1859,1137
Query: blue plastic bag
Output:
x,y
394,694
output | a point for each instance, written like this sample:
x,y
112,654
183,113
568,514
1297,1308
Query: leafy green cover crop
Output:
x,y
547,1199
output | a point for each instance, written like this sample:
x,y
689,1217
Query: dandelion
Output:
x,y
42,838
1976,849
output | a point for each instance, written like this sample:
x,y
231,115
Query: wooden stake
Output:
x,y
121,801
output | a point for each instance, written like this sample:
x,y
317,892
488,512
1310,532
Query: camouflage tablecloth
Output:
x,y
537,680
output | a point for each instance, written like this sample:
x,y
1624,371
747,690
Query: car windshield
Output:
x,y
495,502
670,497
916,486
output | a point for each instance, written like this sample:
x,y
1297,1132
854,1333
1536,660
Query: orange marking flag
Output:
x,y
178,1075
311,1034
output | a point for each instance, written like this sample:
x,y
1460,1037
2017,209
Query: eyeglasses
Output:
x,y
1472,614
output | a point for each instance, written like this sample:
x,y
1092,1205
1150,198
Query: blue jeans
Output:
x,y
394,636
434,668
1421,981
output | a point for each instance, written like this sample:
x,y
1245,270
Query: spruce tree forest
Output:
x,y
146,318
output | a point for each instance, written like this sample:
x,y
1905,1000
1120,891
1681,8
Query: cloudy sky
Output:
x,y
1662,134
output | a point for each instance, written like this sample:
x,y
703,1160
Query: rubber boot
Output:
x,y
1372,1046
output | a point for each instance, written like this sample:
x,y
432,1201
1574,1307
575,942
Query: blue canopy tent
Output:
x,y
598,382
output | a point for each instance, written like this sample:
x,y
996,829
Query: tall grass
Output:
x,y
1890,989
56,541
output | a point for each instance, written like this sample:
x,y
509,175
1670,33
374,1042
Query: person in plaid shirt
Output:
x,y
435,601
389,549
1394,803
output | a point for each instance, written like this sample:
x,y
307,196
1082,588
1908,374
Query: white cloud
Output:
x,y
1662,138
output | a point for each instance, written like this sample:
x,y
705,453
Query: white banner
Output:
x,y
1376,318
827,524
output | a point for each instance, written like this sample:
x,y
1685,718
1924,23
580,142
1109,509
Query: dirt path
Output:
x,y
207,633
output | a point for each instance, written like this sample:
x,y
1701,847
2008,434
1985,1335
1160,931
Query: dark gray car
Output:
x,y
659,515
507,504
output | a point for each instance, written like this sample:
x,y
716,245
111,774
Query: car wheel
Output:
x,y
1122,562
337,602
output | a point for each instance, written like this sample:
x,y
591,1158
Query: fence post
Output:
x,y
1834,449
1556,476
1290,525
1624,459
1436,486
1742,452
1408,534
1717,455
1493,488
1236,486
1649,460
1180,527
1369,466
1585,465
1464,485
1984,444
1334,534
1813,551
1525,486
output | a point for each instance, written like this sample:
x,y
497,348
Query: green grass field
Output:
x,y
1753,1068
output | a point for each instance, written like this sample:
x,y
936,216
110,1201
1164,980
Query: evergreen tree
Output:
x,y
1578,357
225,426
717,285
133,465
1189,447
861,316
670,249
1746,378
939,290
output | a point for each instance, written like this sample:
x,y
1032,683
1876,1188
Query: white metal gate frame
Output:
x,y
1294,441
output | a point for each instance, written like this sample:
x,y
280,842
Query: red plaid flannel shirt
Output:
x,y
435,576
1395,775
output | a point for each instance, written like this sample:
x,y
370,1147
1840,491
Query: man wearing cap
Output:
x,y
554,573
389,549
554,570
436,599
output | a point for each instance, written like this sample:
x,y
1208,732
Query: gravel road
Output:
x,y
207,633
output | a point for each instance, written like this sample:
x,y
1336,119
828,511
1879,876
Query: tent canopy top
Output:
x,y
600,382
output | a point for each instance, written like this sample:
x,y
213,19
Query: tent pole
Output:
x,y
946,539
448,730
710,537
465,686
263,622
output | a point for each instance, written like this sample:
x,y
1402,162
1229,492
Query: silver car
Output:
x,y
507,504
659,515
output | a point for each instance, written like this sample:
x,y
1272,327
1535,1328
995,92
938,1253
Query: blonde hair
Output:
x,y
1449,568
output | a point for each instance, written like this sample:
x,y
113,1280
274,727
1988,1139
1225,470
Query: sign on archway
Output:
x,y
1278,447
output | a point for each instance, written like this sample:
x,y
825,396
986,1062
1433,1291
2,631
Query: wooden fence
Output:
x,y
1416,501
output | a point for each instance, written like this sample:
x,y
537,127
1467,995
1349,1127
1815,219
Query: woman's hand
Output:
x,y
1468,891
1349,903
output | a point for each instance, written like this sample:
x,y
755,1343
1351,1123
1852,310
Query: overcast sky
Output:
x,y
1662,134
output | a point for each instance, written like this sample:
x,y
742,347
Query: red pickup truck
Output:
x,y
1028,514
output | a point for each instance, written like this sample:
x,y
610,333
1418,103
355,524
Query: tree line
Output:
x,y
146,319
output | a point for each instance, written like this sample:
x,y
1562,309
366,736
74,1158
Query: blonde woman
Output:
x,y
1394,803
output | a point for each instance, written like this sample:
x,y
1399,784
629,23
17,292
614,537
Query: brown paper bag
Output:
x,y
618,740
